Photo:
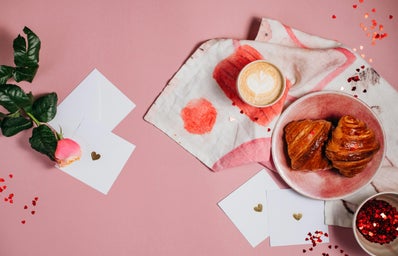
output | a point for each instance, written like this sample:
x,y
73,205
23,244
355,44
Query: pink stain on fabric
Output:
x,y
256,150
199,116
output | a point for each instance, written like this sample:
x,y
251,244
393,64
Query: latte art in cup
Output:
x,y
260,84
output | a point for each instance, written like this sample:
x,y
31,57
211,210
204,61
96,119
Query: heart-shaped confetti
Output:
x,y
258,208
95,156
297,216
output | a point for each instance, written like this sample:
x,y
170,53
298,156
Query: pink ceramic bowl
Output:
x,y
325,184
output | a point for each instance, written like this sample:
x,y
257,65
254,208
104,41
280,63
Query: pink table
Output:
x,y
164,201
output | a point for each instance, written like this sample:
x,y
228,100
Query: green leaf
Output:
x,y
20,54
26,73
12,97
26,58
13,125
44,141
34,45
6,73
45,107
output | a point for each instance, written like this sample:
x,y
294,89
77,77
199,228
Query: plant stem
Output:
x,y
33,118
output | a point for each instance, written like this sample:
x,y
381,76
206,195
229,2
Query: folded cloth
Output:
x,y
200,110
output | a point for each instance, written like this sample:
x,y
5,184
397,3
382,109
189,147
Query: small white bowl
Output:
x,y
376,249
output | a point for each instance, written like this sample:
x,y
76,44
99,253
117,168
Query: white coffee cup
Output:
x,y
260,84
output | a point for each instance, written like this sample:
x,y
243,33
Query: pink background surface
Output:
x,y
164,201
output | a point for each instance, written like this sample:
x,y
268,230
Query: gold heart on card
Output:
x,y
258,208
95,156
297,216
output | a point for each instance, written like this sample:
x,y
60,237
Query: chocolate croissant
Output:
x,y
352,146
305,141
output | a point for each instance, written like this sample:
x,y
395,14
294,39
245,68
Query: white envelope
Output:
x,y
95,99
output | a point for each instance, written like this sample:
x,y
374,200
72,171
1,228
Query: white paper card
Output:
x,y
113,152
239,207
284,228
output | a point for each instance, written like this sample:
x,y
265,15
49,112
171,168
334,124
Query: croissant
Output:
x,y
352,146
305,141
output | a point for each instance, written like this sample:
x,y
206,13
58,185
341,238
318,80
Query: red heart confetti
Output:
x,y
377,221
371,26
9,197
316,238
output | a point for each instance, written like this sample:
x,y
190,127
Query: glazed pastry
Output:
x,y
305,141
352,146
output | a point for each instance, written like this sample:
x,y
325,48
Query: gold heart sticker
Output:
x,y
95,156
297,216
258,208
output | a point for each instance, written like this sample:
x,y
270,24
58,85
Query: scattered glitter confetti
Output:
x,y
374,29
9,197
316,238
32,212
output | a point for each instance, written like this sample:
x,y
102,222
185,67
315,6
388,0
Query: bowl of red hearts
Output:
x,y
375,224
